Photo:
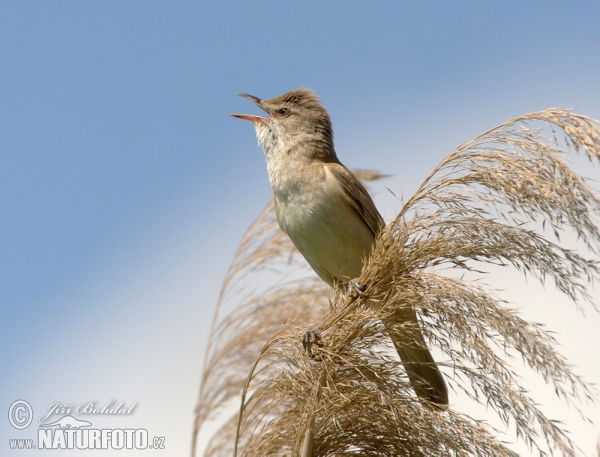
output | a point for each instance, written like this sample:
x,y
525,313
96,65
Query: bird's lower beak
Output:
x,y
250,117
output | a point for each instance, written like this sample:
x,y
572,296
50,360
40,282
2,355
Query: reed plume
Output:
x,y
503,199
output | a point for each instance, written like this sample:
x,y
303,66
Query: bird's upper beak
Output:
x,y
249,117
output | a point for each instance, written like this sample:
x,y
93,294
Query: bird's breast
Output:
x,y
328,232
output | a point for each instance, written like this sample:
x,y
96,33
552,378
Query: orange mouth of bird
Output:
x,y
250,117
253,118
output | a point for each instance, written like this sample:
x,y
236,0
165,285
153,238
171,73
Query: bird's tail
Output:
x,y
423,373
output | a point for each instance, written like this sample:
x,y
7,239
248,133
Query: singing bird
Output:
x,y
329,215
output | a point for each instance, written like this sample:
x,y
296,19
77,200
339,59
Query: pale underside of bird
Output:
x,y
330,217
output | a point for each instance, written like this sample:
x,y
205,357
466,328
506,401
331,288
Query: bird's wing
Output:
x,y
357,196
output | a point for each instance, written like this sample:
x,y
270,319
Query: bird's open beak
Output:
x,y
250,117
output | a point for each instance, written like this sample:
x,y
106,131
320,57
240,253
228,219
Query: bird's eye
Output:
x,y
283,112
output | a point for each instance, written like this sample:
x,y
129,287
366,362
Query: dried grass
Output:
x,y
503,198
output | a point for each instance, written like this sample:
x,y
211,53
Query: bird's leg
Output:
x,y
356,289
310,338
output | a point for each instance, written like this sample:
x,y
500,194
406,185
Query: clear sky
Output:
x,y
125,187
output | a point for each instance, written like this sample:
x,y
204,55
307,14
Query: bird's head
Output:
x,y
294,117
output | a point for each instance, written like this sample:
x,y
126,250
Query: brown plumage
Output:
x,y
330,216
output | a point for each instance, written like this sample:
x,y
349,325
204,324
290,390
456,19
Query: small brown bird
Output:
x,y
328,214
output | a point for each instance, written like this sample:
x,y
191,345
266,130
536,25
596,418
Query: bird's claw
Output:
x,y
355,289
309,339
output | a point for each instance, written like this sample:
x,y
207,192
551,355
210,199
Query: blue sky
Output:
x,y
125,187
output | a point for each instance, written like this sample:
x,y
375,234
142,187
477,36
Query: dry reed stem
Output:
x,y
503,198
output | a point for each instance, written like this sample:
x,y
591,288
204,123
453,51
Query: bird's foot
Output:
x,y
309,339
355,289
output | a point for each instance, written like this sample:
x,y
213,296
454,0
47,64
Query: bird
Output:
x,y
330,216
